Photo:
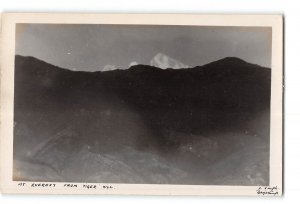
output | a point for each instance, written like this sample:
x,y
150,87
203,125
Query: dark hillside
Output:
x,y
143,107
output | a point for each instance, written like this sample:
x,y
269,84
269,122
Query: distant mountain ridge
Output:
x,y
160,60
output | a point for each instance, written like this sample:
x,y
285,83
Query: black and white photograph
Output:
x,y
142,104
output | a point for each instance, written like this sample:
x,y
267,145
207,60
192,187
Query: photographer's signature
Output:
x,y
267,190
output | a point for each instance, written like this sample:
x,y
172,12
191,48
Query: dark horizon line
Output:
x,y
231,58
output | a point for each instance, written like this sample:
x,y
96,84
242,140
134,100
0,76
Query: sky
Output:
x,y
91,47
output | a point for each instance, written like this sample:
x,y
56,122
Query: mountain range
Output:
x,y
149,109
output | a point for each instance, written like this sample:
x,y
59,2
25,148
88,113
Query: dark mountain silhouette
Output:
x,y
143,107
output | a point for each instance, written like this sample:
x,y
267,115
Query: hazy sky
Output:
x,y
91,47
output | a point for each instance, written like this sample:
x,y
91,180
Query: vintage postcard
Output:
x,y
142,104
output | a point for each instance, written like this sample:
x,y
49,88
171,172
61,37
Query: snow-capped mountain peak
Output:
x,y
163,61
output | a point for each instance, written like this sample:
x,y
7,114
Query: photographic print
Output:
x,y
143,103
